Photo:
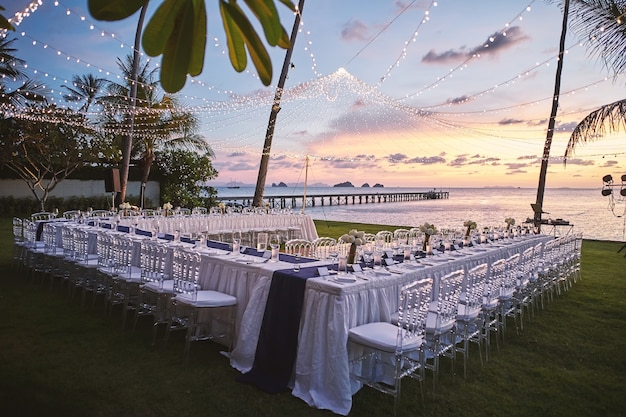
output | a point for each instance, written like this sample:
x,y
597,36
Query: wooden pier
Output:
x,y
295,201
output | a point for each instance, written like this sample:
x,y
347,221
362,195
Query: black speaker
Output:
x,y
112,181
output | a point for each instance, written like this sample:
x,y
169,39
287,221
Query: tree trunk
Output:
x,y
550,134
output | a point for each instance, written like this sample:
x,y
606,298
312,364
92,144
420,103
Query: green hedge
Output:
x,y
24,207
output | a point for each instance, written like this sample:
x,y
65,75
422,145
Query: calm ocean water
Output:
x,y
586,209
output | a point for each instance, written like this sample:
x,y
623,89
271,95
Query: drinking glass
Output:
x,y
275,245
333,254
261,242
296,265
236,241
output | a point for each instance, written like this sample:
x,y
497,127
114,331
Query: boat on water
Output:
x,y
232,185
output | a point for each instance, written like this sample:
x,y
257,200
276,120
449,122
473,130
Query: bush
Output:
x,y
24,207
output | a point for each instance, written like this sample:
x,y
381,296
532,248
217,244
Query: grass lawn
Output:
x,y
60,359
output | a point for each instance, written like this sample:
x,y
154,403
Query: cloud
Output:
x,y
514,167
459,161
458,100
426,160
355,30
397,157
566,127
579,161
609,164
494,44
527,157
505,122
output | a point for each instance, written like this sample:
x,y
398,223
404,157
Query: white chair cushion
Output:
x,y
207,298
466,313
168,286
382,336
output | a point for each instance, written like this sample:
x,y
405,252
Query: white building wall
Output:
x,y
70,188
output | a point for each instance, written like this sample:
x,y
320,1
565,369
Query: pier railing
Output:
x,y
296,201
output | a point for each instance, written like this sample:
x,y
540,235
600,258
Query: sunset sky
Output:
x,y
433,94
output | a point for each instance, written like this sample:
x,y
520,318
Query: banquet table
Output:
x,y
323,309
322,374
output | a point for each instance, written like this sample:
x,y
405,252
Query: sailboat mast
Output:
x,y
306,174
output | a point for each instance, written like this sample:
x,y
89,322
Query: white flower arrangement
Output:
x,y
125,206
510,221
428,229
168,206
353,236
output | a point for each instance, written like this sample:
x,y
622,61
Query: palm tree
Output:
x,y
160,122
86,88
601,24
12,68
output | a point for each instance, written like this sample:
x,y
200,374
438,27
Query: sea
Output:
x,y
587,210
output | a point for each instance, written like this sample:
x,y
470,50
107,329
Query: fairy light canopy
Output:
x,y
426,87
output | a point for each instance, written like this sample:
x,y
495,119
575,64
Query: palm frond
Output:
x,y
601,26
609,118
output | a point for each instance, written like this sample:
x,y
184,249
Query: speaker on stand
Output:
x,y
112,184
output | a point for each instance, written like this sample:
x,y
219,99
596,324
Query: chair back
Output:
x,y
153,262
71,214
199,211
185,272
413,308
472,297
493,283
48,235
384,237
302,246
100,213
509,279
322,246
443,310
81,244
43,215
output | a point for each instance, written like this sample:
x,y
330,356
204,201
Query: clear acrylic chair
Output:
x,y
507,301
205,314
19,247
491,304
441,322
157,286
322,246
33,249
384,353
469,318
302,246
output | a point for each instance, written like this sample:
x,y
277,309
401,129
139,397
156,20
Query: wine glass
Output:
x,y
333,254
275,245
236,241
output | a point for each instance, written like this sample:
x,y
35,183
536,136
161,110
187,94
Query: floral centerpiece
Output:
x,y
428,230
355,238
471,225
125,206
222,207
509,223
167,207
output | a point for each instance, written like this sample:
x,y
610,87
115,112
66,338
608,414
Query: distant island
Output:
x,y
280,184
377,185
344,184
366,185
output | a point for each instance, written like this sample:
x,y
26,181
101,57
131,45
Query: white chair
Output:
x,y
441,322
190,302
385,352
302,246
469,318
86,266
42,215
33,249
157,286
53,254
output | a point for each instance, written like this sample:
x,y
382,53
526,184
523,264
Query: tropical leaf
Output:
x,y
177,53
609,118
4,23
265,11
198,45
255,47
111,10
235,42
160,27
